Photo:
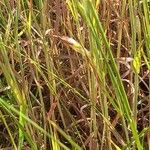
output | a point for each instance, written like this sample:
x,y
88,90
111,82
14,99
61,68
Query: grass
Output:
x,y
74,74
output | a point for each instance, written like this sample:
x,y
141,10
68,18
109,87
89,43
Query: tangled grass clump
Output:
x,y
74,74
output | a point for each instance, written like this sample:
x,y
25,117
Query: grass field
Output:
x,y
74,75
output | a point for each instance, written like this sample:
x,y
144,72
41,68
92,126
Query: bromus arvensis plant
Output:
x,y
74,74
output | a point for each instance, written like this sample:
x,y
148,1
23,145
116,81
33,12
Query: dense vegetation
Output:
x,y
74,74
